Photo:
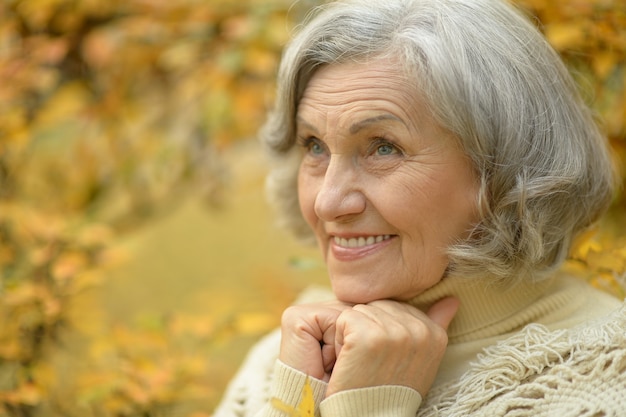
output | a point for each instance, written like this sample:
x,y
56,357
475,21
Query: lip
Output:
x,y
346,254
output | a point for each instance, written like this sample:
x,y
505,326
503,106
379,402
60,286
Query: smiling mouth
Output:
x,y
359,242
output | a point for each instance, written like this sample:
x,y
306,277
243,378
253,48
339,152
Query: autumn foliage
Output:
x,y
111,110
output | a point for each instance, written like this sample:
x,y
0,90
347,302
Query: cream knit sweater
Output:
x,y
557,348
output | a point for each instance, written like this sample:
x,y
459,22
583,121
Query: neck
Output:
x,y
489,309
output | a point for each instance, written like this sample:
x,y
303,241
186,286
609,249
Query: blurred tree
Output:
x,y
111,107
111,110
591,38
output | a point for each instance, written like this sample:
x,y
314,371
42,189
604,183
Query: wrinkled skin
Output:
x,y
385,190
381,343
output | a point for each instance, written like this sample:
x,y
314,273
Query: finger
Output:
x,y
312,320
443,311
329,357
327,345
307,340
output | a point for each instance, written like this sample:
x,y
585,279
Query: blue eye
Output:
x,y
315,147
312,145
386,149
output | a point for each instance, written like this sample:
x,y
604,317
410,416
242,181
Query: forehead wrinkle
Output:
x,y
331,94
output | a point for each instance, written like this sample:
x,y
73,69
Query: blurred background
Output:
x,y
138,258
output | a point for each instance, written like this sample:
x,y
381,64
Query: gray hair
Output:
x,y
491,79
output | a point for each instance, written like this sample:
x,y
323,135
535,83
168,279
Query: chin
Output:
x,y
351,294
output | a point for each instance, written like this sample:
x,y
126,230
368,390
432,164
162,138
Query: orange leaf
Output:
x,y
68,265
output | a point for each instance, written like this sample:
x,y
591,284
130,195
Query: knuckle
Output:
x,y
404,338
290,313
293,317
427,333
346,317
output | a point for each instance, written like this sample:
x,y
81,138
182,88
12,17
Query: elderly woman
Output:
x,y
438,152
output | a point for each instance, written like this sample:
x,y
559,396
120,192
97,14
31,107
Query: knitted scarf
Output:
x,y
538,372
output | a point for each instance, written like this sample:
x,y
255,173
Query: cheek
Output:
x,y
306,199
434,211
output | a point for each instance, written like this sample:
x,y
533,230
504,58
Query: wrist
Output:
x,y
379,401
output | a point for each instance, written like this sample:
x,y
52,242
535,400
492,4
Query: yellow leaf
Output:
x,y
68,265
565,35
95,234
287,409
584,243
255,323
10,349
609,283
604,63
22,295
260,61
306,406
66,103
606,261
197,326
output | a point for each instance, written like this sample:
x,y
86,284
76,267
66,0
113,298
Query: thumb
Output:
x,y
443,311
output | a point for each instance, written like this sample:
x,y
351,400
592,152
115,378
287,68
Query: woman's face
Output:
x,y
383,187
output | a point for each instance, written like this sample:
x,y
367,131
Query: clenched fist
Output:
x,y
355,346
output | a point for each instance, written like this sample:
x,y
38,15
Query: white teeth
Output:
x,y
354,242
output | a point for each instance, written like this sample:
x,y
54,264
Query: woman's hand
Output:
x,y
308,337
390,343
381,343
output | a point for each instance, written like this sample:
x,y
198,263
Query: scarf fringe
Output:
x,y
505,366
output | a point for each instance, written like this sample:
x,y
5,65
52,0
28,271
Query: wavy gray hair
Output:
x,y
490,78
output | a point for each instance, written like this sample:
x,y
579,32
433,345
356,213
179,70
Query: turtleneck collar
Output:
x,y
489,309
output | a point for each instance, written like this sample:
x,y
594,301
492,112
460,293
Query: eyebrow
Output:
x,y
356,127
304,123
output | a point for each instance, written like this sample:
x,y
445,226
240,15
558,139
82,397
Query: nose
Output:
x,y
340,196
